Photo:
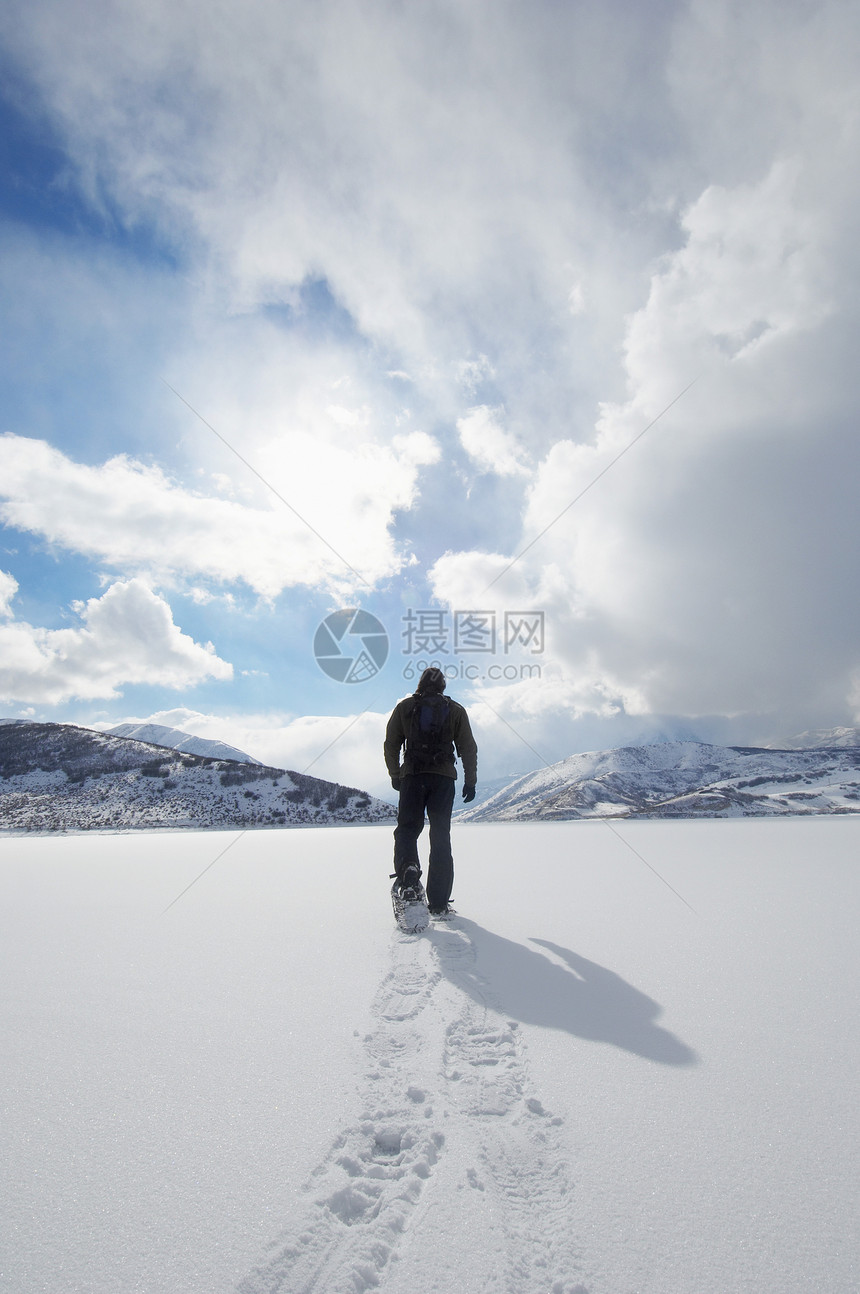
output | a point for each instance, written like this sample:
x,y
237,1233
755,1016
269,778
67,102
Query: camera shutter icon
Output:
x,y
351,646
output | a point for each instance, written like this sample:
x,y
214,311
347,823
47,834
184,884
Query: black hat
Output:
x,y
432,680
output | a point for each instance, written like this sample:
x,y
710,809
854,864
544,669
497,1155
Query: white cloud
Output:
x,y
576,299
748,273
707,571
126,636
468,580
133,518
491,447
461,185
472,373
8,589
322,429
436,169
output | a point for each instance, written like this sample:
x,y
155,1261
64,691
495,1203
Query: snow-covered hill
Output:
x,y
819,738
579,1086
159,734
56,777
484,792
682,779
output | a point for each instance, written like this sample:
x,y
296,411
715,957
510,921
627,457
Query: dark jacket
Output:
x,y
464,743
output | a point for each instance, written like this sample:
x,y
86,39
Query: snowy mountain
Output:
x,y
158,734
485,791
818,739
57,777
682,779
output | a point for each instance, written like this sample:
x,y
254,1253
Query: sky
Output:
x,y
527,332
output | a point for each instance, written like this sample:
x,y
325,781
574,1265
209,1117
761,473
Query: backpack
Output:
x,y
430,742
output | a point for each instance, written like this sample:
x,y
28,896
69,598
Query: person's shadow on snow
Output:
x,y
586,1000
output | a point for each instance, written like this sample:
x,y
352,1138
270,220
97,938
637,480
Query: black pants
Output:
x,y
434,793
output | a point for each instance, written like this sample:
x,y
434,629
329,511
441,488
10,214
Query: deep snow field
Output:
x,y
580,1085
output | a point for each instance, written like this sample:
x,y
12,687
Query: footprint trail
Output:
x,y
450,1170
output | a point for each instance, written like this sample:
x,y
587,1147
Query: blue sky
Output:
x,y
426,273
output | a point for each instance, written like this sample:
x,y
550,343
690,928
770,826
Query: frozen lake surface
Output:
x,y
585,1084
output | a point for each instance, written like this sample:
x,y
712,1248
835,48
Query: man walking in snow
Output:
x,y
430,726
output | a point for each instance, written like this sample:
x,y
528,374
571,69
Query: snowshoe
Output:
x,y
410,903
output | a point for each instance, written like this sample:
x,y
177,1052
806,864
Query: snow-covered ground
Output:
x,y
582,1084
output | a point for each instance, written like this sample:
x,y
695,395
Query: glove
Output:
x,y
395,782
468,793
